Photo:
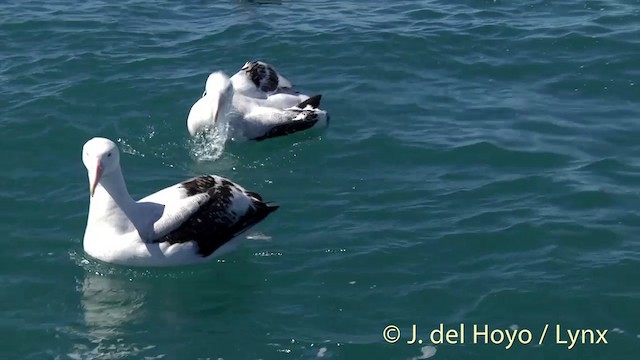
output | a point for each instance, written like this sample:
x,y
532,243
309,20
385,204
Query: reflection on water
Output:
x,y
110,304
143,313
107,305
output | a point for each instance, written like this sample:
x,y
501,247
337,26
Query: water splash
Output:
x,y
209,145
127,148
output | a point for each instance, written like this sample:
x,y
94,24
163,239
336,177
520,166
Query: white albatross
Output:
x,y
190,222
249,117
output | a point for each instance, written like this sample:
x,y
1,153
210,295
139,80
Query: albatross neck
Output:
x,y
111,194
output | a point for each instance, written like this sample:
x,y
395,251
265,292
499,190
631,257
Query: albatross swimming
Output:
x,y
189,222
250,117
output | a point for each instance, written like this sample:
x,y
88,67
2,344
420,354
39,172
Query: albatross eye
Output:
x,y
109,155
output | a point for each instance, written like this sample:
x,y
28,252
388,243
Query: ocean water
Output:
x,y
481,168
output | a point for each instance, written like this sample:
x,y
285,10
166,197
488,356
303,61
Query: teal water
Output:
x,y
481,168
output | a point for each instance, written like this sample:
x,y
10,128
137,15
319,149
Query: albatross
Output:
x,y
190,222
250,117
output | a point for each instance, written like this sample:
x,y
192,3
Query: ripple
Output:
x,y
491,154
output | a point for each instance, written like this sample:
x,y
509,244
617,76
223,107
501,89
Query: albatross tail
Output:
x,y
313,101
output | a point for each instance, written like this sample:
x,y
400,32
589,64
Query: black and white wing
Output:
x,y
209,210
260,79
262,122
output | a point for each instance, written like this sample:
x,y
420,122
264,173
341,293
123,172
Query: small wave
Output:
x,y
258,236
427,352
500,156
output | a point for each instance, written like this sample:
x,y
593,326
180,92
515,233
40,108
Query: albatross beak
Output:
x,y
219,101
94,178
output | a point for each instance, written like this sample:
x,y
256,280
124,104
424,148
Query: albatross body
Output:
x,y
190,222
253,118
260,80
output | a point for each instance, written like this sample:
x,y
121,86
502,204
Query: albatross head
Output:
x,y
249,65
215,102
101,157
218,83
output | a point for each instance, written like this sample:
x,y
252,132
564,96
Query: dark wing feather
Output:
x,y
290,127
213,224
254,195
313,101
263,75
